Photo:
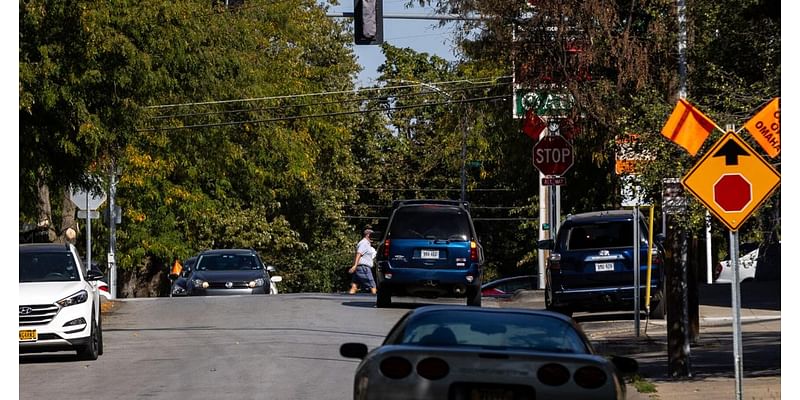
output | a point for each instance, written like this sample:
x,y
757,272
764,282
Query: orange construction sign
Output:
x,y
766,127
176,269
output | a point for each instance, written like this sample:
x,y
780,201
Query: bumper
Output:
x,y
55,336
602,298
429,282
228,292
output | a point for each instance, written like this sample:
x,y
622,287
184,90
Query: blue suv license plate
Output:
x,y
601,267
429,254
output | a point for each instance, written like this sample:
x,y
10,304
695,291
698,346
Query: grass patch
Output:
x,y
642,385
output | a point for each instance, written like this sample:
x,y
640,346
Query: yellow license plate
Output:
x,y
28,335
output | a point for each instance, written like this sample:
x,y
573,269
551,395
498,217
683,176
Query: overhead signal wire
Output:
x,y
360,99
333,114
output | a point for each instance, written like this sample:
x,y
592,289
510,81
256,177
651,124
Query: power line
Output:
x,y
333,114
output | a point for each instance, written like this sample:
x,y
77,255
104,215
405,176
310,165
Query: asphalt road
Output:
x,y
287,347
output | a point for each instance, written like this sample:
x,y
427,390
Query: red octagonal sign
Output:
x,y
732,192
553,155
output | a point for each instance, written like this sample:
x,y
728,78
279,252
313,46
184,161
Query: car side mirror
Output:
x,y
660,238
547,244
353,350
625,365
270,268
275,278
94,275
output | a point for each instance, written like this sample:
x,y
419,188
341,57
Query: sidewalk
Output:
x,y
711,356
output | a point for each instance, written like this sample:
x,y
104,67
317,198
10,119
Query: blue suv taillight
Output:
x,y
473,251
386,248
554,261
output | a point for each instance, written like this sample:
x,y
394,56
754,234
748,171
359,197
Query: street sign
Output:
x,y
673,200
94,214
79,197
554,181
732,180
553,155
542,102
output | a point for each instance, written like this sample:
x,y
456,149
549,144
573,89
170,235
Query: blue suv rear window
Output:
x,y
434,222
603,235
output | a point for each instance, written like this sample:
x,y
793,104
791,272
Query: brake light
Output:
x,y
657,260
473,251
553,374
554,261
395,367
590,377
103,288
433,368
386,248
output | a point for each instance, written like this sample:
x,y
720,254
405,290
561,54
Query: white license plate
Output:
x,y
28,335
600,267
429,254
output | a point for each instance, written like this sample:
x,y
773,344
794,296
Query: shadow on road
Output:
x,y
765,295
42,358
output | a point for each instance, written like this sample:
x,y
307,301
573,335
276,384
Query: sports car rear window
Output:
x,y
430,223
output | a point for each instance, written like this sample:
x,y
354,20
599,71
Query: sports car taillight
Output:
x,y
554,261
590,377
473,251
553,374
386,248
433,368
395,367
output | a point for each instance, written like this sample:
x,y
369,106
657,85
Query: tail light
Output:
x,y
554,261
553,374
395,367
386,248
433,368
590,377
473,251
657,259
104,288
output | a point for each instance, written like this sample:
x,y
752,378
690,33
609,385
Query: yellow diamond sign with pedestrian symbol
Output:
x,y
731,180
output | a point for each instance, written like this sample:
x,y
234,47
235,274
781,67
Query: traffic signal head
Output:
x,y
368,18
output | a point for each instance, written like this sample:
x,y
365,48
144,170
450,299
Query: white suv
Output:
x,y
59,307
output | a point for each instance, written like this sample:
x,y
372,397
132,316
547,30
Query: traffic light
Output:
x,y
368,17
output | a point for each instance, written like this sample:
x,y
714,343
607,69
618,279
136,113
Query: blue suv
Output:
x,y
430,249
590,267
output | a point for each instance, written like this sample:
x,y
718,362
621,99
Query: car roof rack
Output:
x,y
398,203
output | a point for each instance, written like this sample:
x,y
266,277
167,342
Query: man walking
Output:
x,y
362,266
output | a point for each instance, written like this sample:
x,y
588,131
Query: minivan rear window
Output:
x,y
602,235
443,223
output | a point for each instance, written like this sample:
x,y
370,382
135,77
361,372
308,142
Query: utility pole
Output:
x,y
112,231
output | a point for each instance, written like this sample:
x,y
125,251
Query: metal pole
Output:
x,y
463,158
88,234
637,284
736,305
543,216
682,92
709,267
112,231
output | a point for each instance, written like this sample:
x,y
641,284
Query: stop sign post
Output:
x,y
553,155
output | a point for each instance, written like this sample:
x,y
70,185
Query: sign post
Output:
x,y
732,181
87,201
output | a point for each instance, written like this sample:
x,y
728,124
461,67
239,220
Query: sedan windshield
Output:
x,y
227,262
492,330
47,267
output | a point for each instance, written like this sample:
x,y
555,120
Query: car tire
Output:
x,y
383,298
548,303
474,297
100,336
90,351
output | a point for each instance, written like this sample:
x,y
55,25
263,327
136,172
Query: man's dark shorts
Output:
x,y
363,277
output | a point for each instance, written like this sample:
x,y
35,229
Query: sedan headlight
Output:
x,y
199,283
256,283
76,298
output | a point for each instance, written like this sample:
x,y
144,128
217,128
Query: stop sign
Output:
x,y
553,155
732,192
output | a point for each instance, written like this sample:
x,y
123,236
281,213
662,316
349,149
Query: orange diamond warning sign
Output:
x,y
731,180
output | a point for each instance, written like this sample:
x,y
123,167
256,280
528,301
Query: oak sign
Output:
x,y
553,155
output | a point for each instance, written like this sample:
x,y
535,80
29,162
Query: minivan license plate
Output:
x,y
434,254
28,335
600,267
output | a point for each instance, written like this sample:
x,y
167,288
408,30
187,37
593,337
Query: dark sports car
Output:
x,y
459,352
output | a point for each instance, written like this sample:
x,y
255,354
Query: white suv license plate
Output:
x,y
429,254
602,267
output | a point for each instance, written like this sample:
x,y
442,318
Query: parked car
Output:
x,y
430,249
590,267
504,288
59,306
723,273
459,352
231,271
180,284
